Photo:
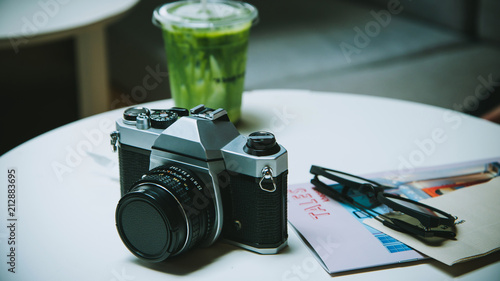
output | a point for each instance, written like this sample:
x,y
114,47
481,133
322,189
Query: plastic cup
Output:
x,y
206,45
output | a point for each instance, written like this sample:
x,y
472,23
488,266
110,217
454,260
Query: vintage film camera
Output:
x,y
188,178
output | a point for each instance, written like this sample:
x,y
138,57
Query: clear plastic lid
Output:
x,y
204,14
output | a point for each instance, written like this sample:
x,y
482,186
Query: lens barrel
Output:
x,y
164,214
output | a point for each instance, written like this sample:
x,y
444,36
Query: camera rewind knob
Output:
x,y
261,143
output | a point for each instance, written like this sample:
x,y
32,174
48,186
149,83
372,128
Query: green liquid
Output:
x,y
207,67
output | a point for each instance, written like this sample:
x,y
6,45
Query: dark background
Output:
x,y
432,52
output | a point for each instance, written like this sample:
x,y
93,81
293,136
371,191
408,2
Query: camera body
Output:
x,y
188,178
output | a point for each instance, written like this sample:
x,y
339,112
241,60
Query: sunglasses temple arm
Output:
x,y
318,171
328,191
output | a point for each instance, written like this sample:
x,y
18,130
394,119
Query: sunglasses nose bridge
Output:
x,y
367,189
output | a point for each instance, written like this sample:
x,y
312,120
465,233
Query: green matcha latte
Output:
x,y
206,46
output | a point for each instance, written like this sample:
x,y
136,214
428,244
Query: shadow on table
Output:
x,y
454,271
460,269
190,261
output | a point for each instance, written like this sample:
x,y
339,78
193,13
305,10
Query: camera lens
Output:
x,y
165,213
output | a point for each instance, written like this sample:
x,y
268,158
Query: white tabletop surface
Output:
x,y
38,18
68,187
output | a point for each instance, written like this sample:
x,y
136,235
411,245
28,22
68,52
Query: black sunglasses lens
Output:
x,y
358,189
417,208
366,198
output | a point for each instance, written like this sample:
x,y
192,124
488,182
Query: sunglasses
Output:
x,y
407,215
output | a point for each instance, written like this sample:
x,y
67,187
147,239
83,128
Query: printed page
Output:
x,y
336,235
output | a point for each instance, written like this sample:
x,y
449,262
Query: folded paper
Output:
x,y
477,208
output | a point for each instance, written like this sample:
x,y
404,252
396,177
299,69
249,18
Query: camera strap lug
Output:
x,y
115,136
267,174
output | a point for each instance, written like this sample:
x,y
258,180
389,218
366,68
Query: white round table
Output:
x,y
36,21
68,187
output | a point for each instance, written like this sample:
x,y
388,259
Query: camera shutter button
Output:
x,y
142,122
